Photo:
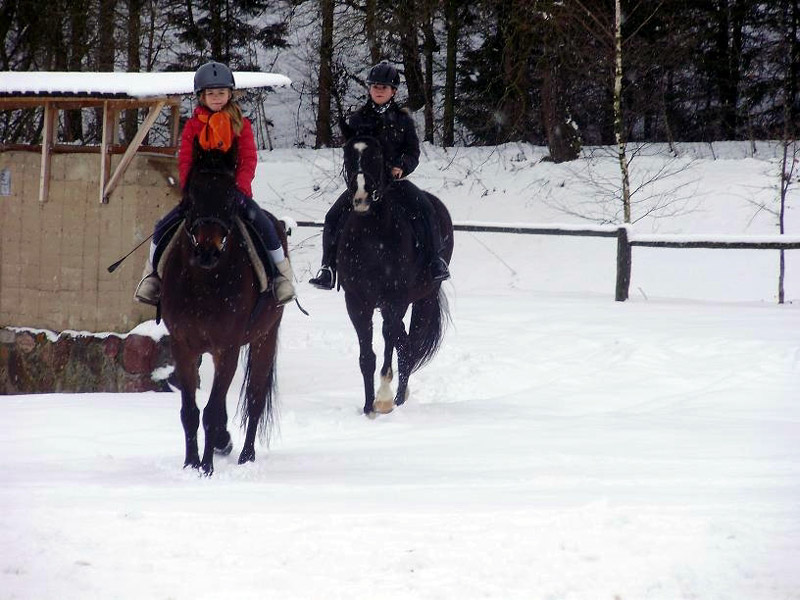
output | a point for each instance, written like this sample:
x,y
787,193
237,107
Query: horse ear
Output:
x,y
347,131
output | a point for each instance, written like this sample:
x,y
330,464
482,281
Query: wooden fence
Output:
x,y
626,240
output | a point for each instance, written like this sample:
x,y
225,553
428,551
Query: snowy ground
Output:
x,y
560,446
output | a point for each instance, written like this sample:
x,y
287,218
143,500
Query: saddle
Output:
x,y
169,239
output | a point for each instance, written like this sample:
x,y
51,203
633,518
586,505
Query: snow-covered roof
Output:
x,y
119,85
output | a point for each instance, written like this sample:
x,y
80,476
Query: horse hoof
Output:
x,y
224,451
384,407
371,415
246,457
223,445
207,470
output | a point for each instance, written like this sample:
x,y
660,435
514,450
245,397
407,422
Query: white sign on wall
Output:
x,y
5,182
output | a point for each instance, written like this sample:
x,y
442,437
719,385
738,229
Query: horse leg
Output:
x,y
215,414
259,391
400,341
361,317
186,372
385,393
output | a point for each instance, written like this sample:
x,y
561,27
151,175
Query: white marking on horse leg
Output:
x,y
385,391
384,401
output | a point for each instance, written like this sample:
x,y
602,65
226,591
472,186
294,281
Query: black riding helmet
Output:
x,y
383,74
213,75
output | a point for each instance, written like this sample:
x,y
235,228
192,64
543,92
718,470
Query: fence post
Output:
x,y
623,264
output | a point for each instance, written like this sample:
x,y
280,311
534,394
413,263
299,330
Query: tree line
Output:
x,y
477,72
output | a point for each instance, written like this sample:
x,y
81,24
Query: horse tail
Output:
x,y
267,419
429,318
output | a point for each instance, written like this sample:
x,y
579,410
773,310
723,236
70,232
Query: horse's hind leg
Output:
x,y
403,363
186,372
395,336
259,391
215,414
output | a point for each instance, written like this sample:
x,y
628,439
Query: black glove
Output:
x,y
245,204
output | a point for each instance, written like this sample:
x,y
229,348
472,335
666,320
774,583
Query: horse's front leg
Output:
x,y
215,414
186,372
383,401
361,317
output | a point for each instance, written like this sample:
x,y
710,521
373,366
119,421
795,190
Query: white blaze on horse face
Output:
x,y
360,196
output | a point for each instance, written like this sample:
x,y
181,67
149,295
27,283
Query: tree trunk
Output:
x,y
133,39
77,49
619,130
324,135
563,140
105,49
448,126
429,48
407,26
370,25
517,31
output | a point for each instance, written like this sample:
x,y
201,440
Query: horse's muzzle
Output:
x,y
206,258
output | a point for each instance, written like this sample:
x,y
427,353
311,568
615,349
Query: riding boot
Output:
x,y
283,288
325,279
326,276
438,264
149,289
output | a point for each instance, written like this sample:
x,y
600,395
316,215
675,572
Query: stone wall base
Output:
x,y
38,362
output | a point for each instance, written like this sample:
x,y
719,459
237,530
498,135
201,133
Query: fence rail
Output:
x,y
626,240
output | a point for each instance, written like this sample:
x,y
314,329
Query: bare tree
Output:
x,y
451,60
324,130
133,40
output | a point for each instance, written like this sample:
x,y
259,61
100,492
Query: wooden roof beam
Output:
x,y
106,187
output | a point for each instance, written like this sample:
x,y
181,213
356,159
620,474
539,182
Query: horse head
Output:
x,y
364,171
210,205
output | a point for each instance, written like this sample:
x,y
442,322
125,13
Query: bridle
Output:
x,y
194,226
191,228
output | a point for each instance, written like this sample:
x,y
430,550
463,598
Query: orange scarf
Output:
x,y
217,133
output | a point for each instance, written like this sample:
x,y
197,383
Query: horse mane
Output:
x,y
212,161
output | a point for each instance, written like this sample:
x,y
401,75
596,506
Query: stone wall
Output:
x,y
54,255
40,362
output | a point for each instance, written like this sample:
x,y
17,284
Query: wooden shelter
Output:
x,y
67,211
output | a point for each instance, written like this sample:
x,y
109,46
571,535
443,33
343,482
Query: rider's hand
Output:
x,y
397,172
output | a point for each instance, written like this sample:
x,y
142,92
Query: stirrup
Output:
x,y
325,279
149,290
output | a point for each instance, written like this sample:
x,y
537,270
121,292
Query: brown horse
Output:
x,y
383,263
211,303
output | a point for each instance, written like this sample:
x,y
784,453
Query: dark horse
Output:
x,y
211,302
383,263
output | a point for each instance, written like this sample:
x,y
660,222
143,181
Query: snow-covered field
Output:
x,y
560,446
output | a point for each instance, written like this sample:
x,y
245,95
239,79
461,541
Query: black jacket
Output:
x,y
394,127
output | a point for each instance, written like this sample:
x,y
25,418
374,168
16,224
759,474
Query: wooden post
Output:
x,y
48,138
624,259
107,139
175,123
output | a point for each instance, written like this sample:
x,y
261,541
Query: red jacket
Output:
x,y
246,159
